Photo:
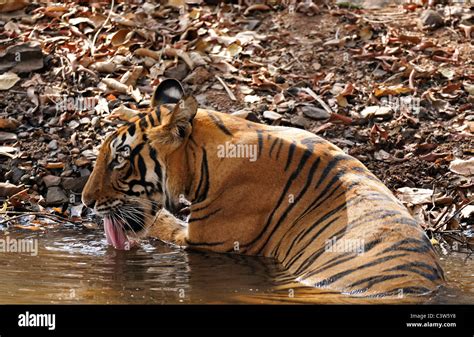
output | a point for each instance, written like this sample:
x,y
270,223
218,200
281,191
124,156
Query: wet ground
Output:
x,y
76,266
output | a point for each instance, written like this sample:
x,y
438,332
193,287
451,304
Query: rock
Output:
x,y
84,172
51,180
56,196
179,72
7,136
431,19
7,189
314,113
53,145
299,122
271,115
246,114
14,175
73,124
30,56
75,184
377,111
82,161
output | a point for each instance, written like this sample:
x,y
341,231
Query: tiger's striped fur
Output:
x,y
299,197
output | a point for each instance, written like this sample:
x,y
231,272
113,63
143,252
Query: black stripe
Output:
x,y
151,119
260,142
131,129
203,180
340,275
205,216
143,124
275,141
291,152
306,155
435,275
422,247
330,166
219,123
372,280
309,180
279,149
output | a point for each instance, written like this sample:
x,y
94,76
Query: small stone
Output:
x,y
73,124
75,184
67,173
51,180
24,135
85,120
246,114
82,161
431,19
271,115
299,122
95,121
7,136
84,172
53,145
179,72
314,113
56,196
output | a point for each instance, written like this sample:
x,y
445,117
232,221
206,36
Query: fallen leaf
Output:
x,y
462,167
415,196
391,90
8,80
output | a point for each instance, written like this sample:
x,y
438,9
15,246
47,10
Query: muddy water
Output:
x,y
76,266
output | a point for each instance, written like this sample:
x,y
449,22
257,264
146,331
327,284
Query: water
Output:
x,y
75,265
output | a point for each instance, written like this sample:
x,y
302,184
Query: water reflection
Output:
x,y
76,266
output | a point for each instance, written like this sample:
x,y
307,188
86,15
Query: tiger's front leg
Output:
x,y
167,227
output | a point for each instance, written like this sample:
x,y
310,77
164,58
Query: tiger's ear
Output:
x,y
168,91
176,123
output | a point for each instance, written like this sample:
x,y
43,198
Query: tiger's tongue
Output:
x,y
115,234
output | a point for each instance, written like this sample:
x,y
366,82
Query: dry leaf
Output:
x,y
462,167
8,80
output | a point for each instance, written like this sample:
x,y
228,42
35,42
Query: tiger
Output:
x,y
260,190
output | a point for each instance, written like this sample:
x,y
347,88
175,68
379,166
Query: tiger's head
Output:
x,y
127,186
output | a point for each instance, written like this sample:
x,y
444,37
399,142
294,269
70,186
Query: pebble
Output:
x,y
314,112
271,115
53,145
51,180
75,184
299,122
56,196
431,19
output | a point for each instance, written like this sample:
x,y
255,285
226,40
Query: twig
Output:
x,y
51,216
229,92
319,99
452,217
98,31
